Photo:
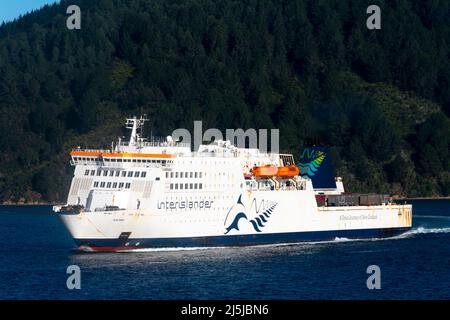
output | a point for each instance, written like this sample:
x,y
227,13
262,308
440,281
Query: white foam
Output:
x,y
341,239
168,249
422,230
410,233
431,217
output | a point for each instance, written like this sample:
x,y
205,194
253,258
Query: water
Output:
x,y
36,250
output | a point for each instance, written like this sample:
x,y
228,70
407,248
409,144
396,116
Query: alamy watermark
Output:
x,y
374,280
74,280
250,138
373,22
73,22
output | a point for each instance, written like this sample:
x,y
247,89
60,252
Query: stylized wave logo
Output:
x,y
234,224
257,222
311,167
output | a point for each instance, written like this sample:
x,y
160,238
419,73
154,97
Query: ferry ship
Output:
x,y
160,194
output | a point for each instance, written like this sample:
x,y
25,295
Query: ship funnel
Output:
x,y
315,164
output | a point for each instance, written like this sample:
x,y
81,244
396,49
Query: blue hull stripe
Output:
x,y
241,240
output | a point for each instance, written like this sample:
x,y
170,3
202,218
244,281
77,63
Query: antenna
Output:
x,y
142,120
137,129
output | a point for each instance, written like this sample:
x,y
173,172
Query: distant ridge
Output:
x,y
380,100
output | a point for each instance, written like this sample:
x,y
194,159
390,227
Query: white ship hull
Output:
x,y
294,217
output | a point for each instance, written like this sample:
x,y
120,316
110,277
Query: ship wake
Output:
x,y
170,249
423,230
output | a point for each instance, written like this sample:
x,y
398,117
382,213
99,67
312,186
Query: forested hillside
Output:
x,y
380,99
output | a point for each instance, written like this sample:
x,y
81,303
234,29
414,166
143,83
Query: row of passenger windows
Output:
x,y
183,174
122,160
186,186
113,185
137,160
116,173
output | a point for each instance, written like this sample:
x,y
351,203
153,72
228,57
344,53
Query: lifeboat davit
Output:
x,y
287,171
265,171
248,175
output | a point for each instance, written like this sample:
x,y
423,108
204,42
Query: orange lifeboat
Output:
x,y
265,171
287,171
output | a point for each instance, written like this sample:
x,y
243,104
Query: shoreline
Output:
x,y
30,204
60,204
423,198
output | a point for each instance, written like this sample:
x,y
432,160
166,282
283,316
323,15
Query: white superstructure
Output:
x,y
161,194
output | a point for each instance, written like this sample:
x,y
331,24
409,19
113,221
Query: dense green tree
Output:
x,y
433,137
380,99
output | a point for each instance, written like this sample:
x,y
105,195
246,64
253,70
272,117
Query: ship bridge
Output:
x,y
136,151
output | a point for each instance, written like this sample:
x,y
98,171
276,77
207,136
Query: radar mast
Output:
x,y
136,125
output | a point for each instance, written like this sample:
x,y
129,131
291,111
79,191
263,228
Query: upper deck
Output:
x,y
163,152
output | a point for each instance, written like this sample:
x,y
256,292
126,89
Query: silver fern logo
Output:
x,y
309,169
262,213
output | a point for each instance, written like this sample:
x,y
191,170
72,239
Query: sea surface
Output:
x,y
35,251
